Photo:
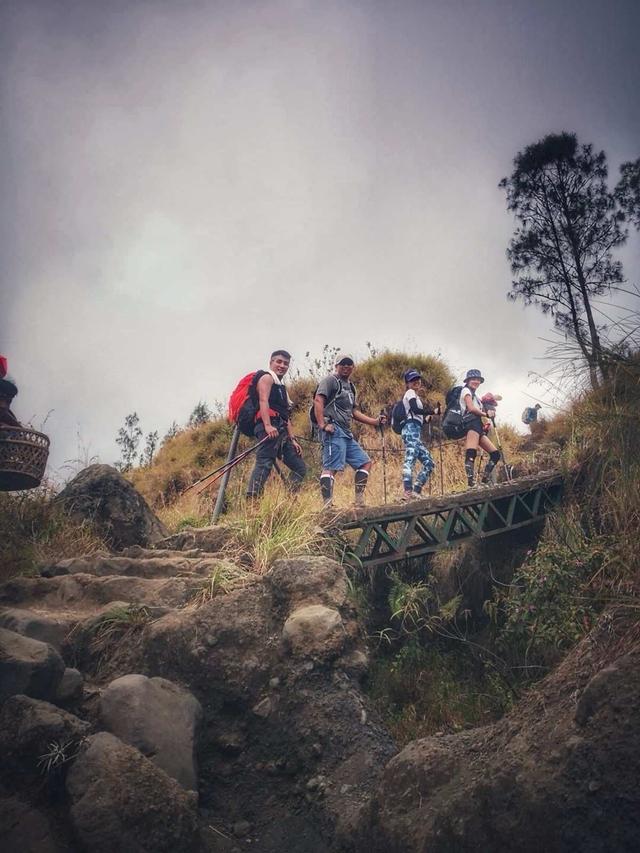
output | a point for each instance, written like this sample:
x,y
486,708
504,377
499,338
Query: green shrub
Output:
x,y
421,690
550,604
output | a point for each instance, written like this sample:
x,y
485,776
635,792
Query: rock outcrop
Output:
x,y
286,724
559,773
101,495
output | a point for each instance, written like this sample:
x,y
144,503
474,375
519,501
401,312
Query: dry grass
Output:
x,y
225,578
279,525
34,530
605,442
107,645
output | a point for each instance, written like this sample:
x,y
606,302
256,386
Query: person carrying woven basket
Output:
x,y
8,390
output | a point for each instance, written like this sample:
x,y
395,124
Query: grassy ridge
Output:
x,y
194,452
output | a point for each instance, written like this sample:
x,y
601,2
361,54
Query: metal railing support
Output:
x,y
217,510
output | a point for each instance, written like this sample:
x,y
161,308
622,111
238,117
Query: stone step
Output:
x,y
85,593
209,539
139,551
101,565
39,626
106,565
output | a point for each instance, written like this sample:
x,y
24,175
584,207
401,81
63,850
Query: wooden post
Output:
x,y
217,510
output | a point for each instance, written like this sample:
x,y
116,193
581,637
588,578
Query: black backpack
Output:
x,y
452,399
398,417
452,421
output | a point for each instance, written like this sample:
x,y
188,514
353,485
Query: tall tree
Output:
x,y
151,442
628,191
561,251
128,438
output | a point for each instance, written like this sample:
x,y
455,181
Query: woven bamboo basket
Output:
x,y
23,458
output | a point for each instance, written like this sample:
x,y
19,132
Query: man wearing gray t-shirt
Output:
x,y
335,407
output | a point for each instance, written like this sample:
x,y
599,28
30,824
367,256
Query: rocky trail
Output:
x,y
162,698
278,738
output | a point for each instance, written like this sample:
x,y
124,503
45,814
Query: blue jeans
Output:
x,y
340,448
415,451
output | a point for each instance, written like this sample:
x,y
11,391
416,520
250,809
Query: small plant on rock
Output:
x,y
59,753
222,580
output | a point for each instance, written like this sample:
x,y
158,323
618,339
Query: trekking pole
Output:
x,y
217,510
430,443
441,462
508,469
384,460
231,461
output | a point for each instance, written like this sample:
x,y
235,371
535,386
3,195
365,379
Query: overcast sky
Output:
x,y
188,185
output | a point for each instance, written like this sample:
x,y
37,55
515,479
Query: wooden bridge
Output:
x,y
386,534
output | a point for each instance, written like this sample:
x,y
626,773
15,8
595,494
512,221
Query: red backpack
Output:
x,y
243,403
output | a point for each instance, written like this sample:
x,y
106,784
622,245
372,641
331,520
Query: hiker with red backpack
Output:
x,y
272,428
334,408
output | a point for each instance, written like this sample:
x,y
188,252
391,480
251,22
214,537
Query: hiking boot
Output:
x,y
359,501
407,496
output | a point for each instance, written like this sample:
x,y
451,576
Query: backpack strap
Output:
x,y
337,391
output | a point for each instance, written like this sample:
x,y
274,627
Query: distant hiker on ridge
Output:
x,y
334,408
272,420
530,414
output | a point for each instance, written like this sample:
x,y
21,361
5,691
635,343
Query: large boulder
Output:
x,y
158,718
28,666
120,801
315,631
85,592
36,736
101,495
305,580
225,649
